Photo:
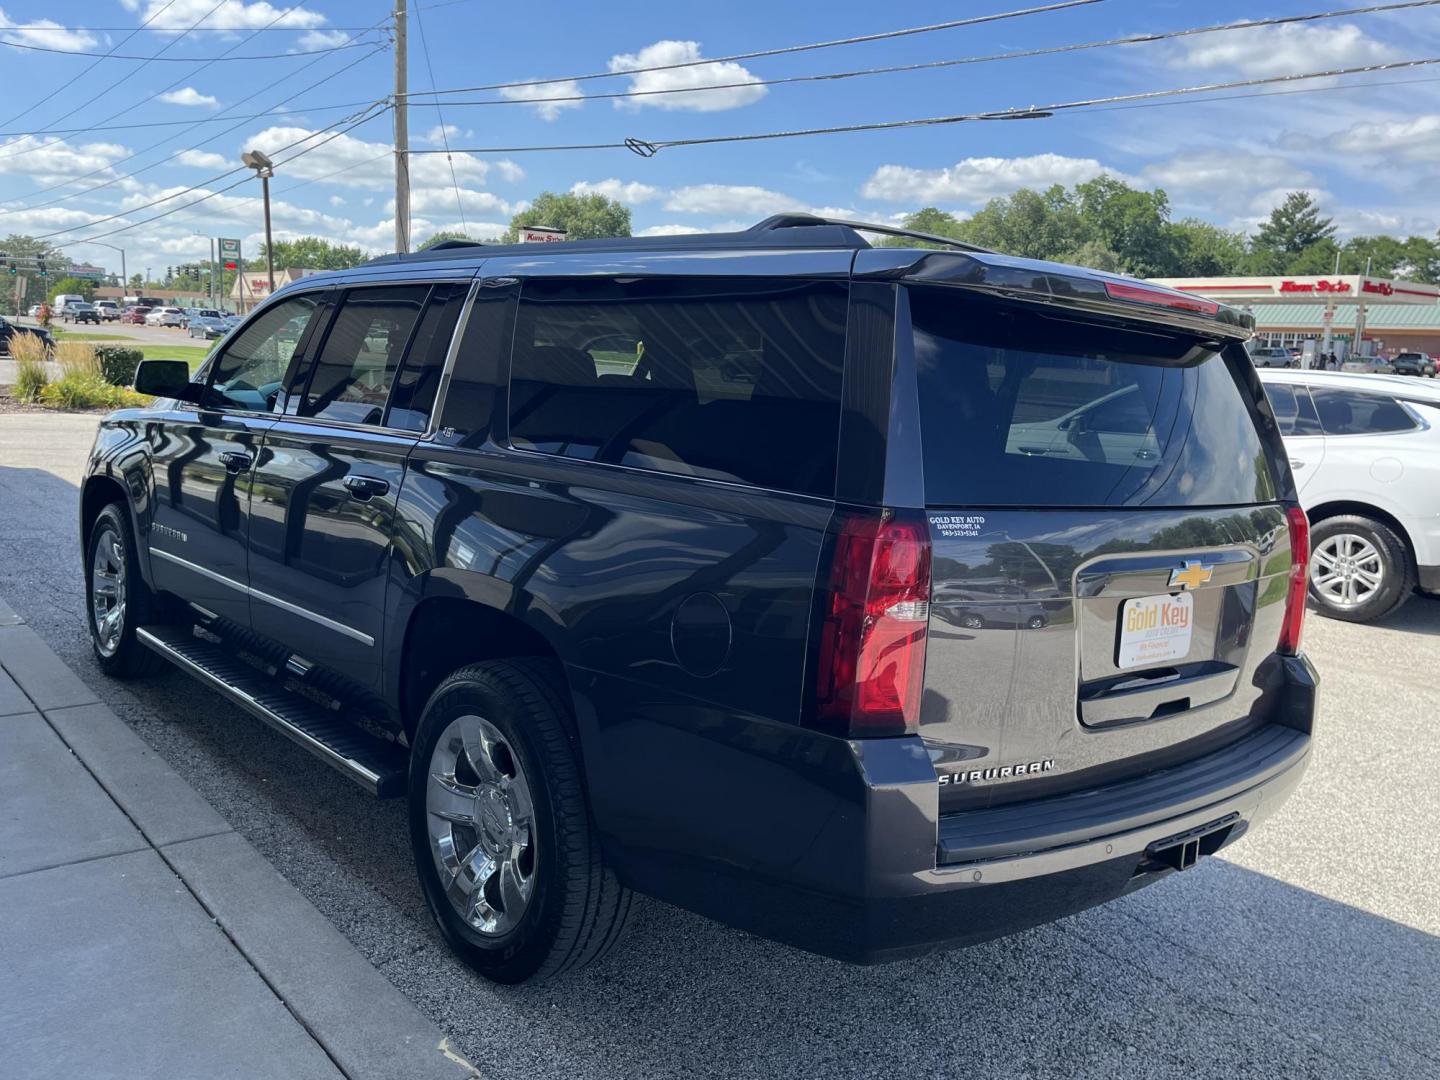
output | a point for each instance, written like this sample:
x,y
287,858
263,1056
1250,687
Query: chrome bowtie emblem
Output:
x,y
1192,575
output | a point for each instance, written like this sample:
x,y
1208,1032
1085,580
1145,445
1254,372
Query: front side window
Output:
x,y
723,379
1294,411
251,371
1349,412
351,380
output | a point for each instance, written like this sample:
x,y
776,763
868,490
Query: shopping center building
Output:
x,y
1390,315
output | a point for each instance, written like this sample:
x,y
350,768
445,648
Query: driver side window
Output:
x,y
251,371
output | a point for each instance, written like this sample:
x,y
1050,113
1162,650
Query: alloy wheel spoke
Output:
x,y
450,800
469,877
479,749
522,810
513,889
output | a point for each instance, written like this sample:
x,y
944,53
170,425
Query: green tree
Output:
x,y
443,235
1293,226
1093,254
583,217
1133,224
310,253
1030,224
70,286
1205,250
926,220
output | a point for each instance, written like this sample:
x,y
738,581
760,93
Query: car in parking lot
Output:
x,y
8,330
1413,363
33,311
165,316
647,565
136,314
208,327
1365,453
1368,365
1272,356
79,311
109,310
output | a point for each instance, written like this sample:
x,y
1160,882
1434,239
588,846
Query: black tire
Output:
x,y
1398,575
123,657
577,909
971,621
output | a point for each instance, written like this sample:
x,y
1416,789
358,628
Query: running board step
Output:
x,y
376,765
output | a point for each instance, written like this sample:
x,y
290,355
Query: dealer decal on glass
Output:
x,y
1154,629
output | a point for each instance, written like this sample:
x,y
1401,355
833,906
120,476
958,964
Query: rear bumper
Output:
x,y
887,877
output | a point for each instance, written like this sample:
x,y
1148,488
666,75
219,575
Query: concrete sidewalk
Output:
x,y
141,937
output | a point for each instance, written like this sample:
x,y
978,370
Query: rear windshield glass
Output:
x,y
1022,408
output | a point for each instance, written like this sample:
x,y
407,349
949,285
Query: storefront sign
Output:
x,y
1384,288
1321,286
539,234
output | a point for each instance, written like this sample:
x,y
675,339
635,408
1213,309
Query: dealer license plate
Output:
x,y
1155,629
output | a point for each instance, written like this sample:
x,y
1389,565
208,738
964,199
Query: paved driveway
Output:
x,y
1309,949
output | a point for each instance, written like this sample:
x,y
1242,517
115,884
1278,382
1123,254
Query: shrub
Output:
x,y
118,363
88,391
31,375
76,358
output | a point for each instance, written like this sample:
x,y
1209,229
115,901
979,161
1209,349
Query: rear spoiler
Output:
x,y
1057,285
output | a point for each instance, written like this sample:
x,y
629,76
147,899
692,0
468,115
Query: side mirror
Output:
x,y
166,379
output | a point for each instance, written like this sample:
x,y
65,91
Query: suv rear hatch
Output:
x,y
1110,556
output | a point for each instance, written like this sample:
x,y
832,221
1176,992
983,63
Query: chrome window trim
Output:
x,y
451,355
294,609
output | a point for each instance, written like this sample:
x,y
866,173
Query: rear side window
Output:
x,y
1020,407
351,380
1346,412
730,380
1294,411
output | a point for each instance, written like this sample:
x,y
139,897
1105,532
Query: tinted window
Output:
x,y
414,393
722,379
1346,412
1294,411
250,372
351,380
1022,408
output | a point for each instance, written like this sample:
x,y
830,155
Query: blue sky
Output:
x,y
1370,154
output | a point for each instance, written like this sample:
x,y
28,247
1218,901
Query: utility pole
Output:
x,y
402,134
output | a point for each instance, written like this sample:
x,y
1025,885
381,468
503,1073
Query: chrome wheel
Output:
x,y
481,822
1347,570
107,591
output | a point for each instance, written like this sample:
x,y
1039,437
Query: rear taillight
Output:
x,y
1143,294
1299,582
872,642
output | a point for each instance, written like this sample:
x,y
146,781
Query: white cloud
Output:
x,y
509,171
360,163
669,230
205,159
188,95
730,199
687,79
313,40
437,135
56,159
976,180
548,110
337,200
632,192
1215,182
1415,138
431,200
231,15
45,33
1280,50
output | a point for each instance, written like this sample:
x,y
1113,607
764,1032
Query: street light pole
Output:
x,y
265,169
124,281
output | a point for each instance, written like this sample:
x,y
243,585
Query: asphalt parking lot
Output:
x,y
1311,948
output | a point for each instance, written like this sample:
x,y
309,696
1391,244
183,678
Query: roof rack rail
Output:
x,y
450,245
792,221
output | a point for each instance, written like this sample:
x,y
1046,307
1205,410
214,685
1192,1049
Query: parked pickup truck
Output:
x,y
875,599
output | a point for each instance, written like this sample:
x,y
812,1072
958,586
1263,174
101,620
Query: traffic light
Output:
x,y
5,262
41,264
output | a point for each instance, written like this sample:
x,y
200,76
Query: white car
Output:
x,y
1365,453
165,316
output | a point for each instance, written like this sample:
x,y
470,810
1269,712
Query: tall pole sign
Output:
x,y
229,258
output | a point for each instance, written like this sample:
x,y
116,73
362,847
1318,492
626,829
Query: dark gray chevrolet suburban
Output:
x,y
873,599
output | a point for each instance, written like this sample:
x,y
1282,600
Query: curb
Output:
x,y
365,1025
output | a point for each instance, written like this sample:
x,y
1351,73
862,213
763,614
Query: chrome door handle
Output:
x,y
235,461
366,487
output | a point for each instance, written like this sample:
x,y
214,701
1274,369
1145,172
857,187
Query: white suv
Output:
x,y
1365,452
165,316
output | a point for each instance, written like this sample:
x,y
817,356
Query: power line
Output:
x,y
90,67
649,148
377,109
884,35
931,65
240,122
439,113
16,27
192,122
187,59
